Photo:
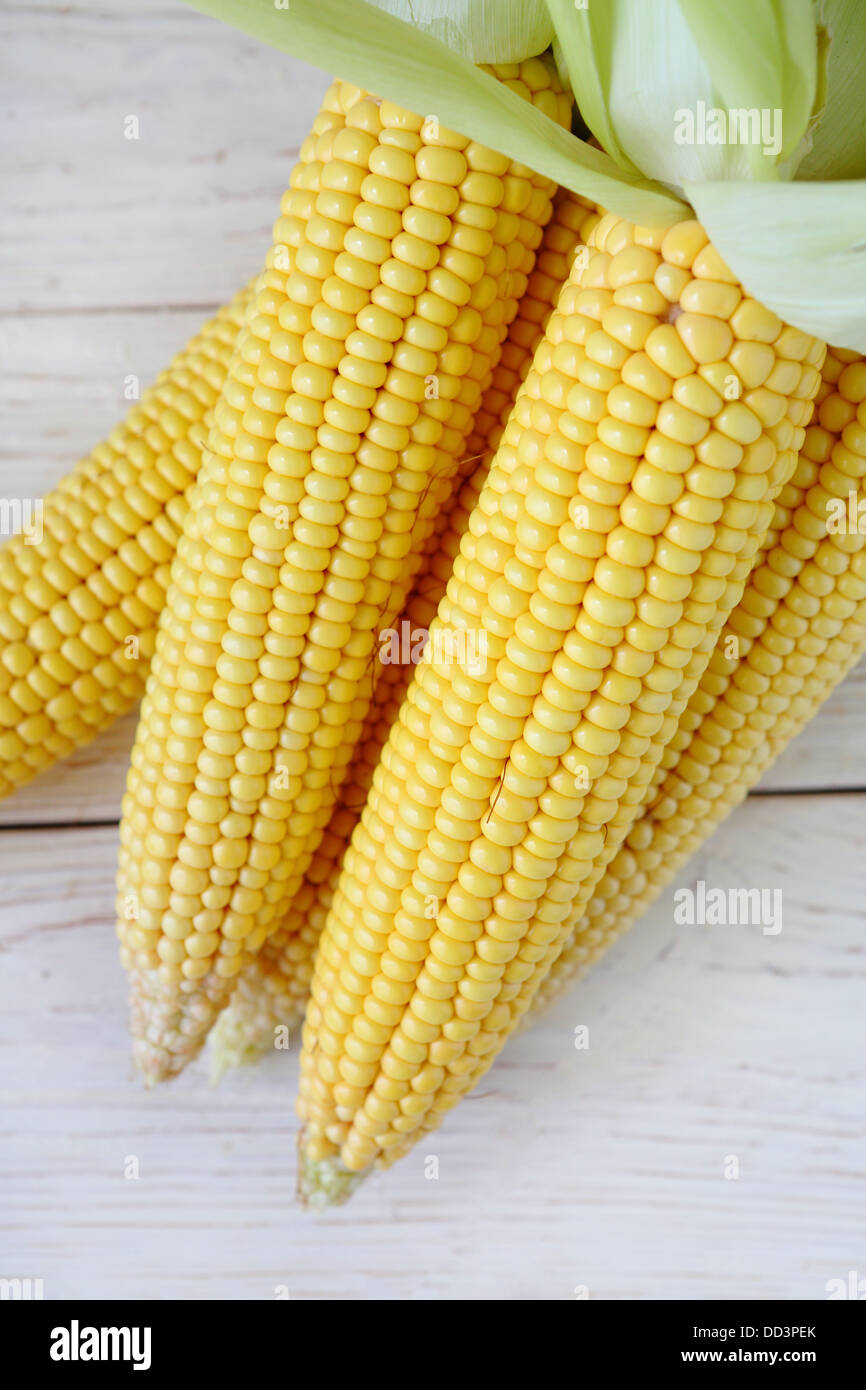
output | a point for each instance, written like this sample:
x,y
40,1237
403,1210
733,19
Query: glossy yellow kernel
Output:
x,y
794,343
394,117
628,548
783,377
852,382
682,243
644,298
434,197
738,423
426,226
670,280
441,165
752,322
392,163
630,405
682,425
655,486
697,395
668,455
712,297
448,286
618,579
622,437
718,451
602,348
629,327
633,265
666,350
640,373
643,516
706,339
769,406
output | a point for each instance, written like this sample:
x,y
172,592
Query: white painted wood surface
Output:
x,y
602,1168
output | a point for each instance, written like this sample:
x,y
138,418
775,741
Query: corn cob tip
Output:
x,y
234,1042
324,1182
164,1042
222,1060
152,1065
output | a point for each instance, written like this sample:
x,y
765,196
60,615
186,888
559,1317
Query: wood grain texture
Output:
x,y
63,377
601,1167
177,216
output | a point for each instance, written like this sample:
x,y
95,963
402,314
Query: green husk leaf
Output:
x,y
839,139
585,41
761,53
649,75
798,248
387,56
483,31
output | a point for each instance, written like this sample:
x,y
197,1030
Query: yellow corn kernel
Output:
x,y
274,427
95,579
662,620
270,996
795,640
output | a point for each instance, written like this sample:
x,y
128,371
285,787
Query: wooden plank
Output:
x,y
87,787
831,751
62,383
93,219
602,1168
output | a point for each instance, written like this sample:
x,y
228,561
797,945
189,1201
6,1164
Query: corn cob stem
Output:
x,y
613,538
326,466
79,608
272,993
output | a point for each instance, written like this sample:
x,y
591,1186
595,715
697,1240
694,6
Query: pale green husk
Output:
x,y
798,246
484,31
803,276
636,66
839,141
387,56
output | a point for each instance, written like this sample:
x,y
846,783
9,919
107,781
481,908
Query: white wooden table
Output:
x,y
600,1169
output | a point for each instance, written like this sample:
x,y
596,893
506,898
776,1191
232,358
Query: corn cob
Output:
x,y
813,610
271,994
78,609
799,630
825,622
564,235
325,468
76,642
616,532
587,935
